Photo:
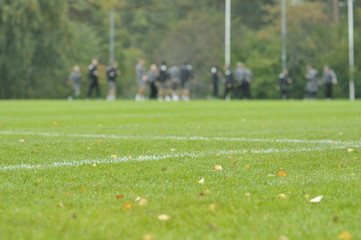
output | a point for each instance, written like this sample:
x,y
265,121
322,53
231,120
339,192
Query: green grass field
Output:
x,y
110,170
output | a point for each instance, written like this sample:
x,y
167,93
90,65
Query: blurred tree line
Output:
x,y
40,40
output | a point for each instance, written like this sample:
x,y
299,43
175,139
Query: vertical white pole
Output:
x,y
284,33
112,37
228,33
351,49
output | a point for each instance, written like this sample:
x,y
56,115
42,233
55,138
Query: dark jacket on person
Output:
x,y
93,77
112,73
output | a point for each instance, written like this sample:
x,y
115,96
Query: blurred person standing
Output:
x,y
174,74
312,82
152,78
228,88
216,78
164,84
284,82
329,79
112,74
141,80
93,78
75,79
186,74
243,77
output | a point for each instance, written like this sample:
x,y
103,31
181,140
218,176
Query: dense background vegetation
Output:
x,y
41,39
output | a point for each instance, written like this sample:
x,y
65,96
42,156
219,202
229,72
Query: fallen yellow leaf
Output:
x,y
100,140
113,156
201,181
127,206
281,173
283,237
22,140
163,217
218,167
148,236
281,196
350,150
344,236
141,201
212,207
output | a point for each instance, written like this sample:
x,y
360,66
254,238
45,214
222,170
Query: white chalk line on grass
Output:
x,y
160,157
180,138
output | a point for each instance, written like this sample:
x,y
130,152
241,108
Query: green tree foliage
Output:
x,y
33,43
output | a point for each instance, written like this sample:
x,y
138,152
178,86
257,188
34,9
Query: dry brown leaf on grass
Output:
x,y
119,196
212,227
281,173
316,199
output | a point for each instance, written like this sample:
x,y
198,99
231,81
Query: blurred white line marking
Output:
x,y
197,138
159,157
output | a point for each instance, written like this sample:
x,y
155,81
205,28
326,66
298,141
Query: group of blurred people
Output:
x,y
313,82
329,79
172,83
164,83
93,77
237,82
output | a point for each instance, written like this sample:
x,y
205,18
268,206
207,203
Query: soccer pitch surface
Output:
x,y
196,170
